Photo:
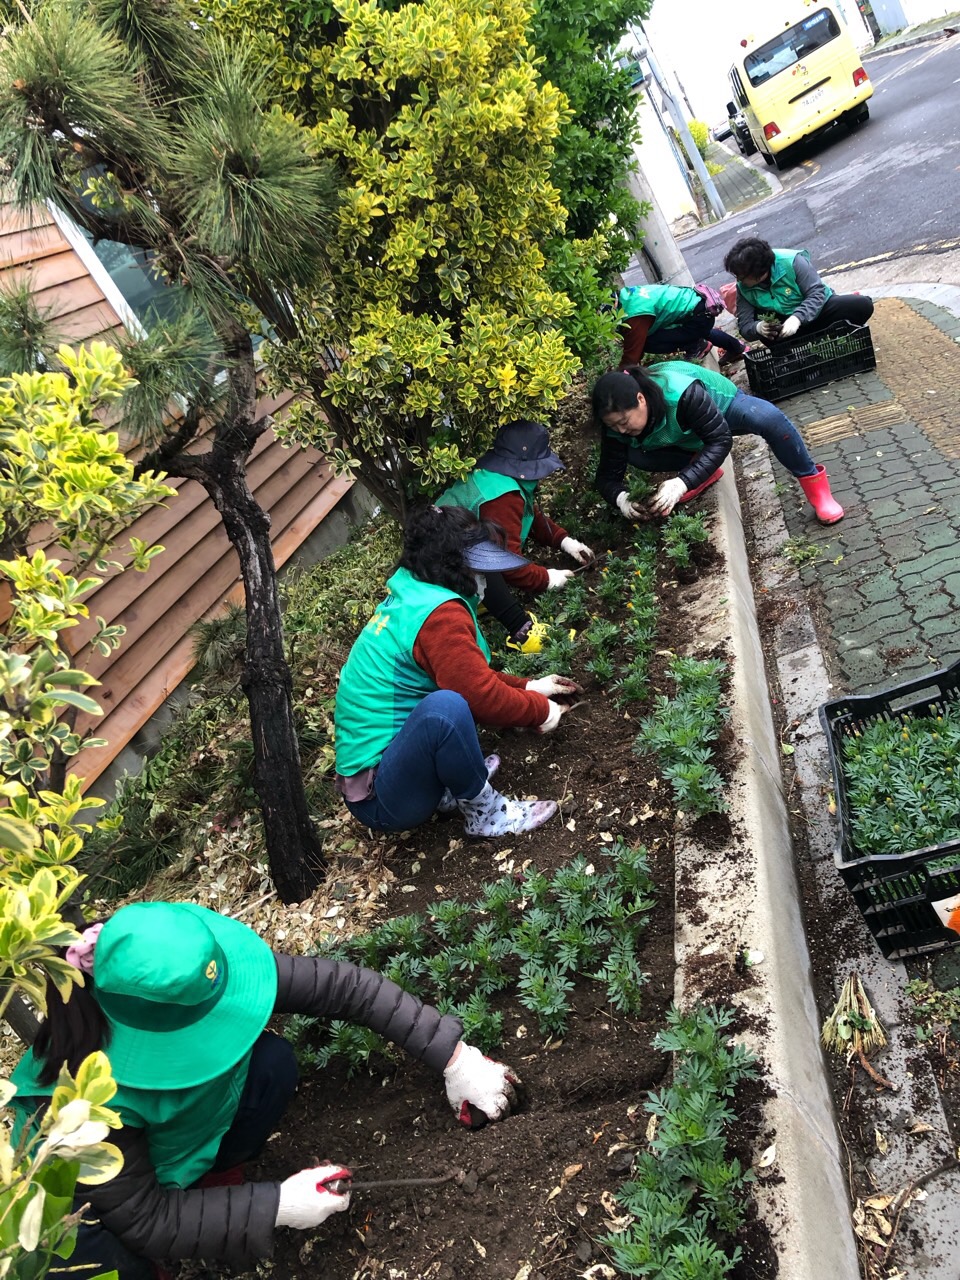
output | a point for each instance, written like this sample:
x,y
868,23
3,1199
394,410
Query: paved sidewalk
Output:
x,y
886,584
739,184
920,33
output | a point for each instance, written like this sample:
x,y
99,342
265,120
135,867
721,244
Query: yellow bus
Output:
x,y
793,82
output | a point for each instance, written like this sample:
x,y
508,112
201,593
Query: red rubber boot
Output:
x,y
817,489
695,493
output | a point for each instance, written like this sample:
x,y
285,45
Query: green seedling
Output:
x,y
800,551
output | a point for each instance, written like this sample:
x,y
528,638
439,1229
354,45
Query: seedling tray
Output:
x,y
796,365
910,900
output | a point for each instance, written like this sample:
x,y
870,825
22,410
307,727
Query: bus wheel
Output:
x,y
769,159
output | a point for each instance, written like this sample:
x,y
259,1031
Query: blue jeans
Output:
x,y
684,337
271,1083
747,416
436,749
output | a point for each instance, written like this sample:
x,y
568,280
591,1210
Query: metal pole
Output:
x,y
709,187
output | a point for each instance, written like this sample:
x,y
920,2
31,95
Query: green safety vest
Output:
x,y
782,294
381,683
669,304
485,486
184,1127
674,376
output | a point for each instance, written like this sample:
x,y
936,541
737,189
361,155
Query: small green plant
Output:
x,y
936,1013
903,782
531,937
681,532
686,1195
602,667
681,732
800,551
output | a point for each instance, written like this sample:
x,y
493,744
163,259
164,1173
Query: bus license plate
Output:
x,y
815,96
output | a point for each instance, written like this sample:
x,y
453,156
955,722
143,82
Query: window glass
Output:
x,y
146,293
790,46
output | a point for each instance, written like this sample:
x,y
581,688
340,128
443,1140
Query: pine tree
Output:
x,y
145,128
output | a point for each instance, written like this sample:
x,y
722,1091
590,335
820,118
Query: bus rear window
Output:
x,y
792,45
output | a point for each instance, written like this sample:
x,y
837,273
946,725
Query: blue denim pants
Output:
x,y
747,416
436,749
271,1083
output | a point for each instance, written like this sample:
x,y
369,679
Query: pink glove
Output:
x,y
478,1088
305,1200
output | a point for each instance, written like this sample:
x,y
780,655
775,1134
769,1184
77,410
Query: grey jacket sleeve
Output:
x,y
612,468
332,989
697,412
235,1224
746,317
812,287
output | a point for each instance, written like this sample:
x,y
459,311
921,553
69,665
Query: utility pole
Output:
x,y
680,123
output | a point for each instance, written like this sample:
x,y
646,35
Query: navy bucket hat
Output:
x,y
487,557
521,450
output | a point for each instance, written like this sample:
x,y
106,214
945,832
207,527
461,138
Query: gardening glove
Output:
x,y
304,1200
628,509
550,685
557,709
768,330
578,551
557,578
789,327
667,496
478,1088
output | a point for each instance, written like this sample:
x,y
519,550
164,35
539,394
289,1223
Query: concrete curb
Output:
x,y
908,43
757,905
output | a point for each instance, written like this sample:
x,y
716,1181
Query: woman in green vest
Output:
x,y
662,318
179,997
783,287
502,489
418,680
679,417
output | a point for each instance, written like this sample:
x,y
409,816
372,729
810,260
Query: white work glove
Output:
x,y
768,330
304,1200
557,709
667,496
578,551
627,508
789,327
478,1088
557,578
553,684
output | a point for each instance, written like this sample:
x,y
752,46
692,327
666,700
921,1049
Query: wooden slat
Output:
x,y
121,722
13,218
51,272
96,321
17,247
73,295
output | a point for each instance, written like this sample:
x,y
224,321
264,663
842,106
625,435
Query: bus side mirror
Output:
x,y
731,109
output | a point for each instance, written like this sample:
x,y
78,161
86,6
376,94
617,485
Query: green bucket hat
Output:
x,y
186,992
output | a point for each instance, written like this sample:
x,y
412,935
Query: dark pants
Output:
x,y
685,337
500,602
437,749
271,1083
854,307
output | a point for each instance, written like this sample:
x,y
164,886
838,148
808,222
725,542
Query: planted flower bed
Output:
x,y
557,949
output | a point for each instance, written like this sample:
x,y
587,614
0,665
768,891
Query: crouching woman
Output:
x,y
679,417
417,682
178,997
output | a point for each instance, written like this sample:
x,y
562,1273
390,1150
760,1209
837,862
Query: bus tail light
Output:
x,y
770,130
859,77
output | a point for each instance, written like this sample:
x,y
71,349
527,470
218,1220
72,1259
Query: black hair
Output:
x,y
434,540
751,258
617,392
71,1030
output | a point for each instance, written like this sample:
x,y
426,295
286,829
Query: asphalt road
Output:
x,y
888,189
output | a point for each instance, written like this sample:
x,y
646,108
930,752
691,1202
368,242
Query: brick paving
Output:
x,y
738,184
888,576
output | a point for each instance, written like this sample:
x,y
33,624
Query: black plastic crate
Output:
x,y
796,365
898,894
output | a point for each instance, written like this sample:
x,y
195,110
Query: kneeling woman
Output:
x,y
679,417
417,680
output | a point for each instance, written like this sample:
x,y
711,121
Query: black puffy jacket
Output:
x,y
236,1224
696,412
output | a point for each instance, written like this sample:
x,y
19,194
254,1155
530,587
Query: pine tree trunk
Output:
x,y
293,848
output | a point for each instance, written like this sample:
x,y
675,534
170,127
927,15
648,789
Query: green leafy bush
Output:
x,y
700,133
